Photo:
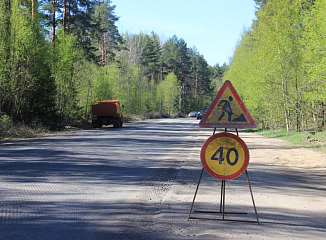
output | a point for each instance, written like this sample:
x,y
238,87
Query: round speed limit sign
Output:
x,y
225,156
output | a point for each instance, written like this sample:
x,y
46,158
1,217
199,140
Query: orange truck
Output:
x,y
107,112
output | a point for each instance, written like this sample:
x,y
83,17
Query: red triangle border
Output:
x,y
251,123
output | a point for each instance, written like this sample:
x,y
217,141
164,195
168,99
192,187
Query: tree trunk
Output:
x,y
103,49
286,113
64,15
69,17
33,5
53,20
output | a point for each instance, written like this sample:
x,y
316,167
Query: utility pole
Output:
x,y
129,95
180,97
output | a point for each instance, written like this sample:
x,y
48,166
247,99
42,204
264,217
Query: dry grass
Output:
x,y
19,131
8,129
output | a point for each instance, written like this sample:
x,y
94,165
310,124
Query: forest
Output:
x,y
280,65
58,57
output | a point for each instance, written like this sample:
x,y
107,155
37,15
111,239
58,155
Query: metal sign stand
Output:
x,y
222,201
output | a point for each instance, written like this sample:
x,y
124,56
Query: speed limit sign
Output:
x,y
225,156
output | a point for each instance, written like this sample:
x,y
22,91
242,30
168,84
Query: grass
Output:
x,y
308,139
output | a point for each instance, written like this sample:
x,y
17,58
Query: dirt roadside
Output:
x,y
289,189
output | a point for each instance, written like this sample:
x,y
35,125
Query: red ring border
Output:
x,y
218,176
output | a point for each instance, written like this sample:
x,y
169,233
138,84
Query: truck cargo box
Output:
x,y
106,108
107,112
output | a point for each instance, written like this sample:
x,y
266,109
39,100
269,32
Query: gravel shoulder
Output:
x,y
138,182
289,189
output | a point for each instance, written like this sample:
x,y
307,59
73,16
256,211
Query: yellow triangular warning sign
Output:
x,y
227,110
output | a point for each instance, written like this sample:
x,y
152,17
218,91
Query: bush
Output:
x,y
155,115
8,129
5,125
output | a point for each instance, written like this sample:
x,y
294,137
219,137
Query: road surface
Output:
x,y
138,182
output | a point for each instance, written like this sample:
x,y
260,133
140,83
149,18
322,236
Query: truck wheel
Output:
x,y
117,123
96,123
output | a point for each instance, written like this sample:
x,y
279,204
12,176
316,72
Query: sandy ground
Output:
x,y
289,189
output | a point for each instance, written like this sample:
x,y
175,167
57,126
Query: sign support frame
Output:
x,y
222,200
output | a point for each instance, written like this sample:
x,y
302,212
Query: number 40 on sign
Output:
x,y
225,156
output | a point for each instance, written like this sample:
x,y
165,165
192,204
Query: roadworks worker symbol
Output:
x,y
227,110
225,156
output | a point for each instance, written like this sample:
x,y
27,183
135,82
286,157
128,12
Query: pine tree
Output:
x,y
105,34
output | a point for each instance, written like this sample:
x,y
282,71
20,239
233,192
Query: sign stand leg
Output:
x,y
193,201
222,200
252,196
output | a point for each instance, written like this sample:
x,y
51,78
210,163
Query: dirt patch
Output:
x,y
274,151
288,184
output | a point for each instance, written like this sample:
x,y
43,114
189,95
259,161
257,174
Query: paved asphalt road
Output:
x,y
84,184
138,182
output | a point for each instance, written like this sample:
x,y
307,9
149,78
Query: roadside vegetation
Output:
x,y
309,139
19,130
279,65
57,58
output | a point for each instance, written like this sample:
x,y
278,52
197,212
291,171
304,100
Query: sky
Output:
x,y
214,27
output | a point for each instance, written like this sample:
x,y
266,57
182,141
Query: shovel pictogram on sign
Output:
x,y
227,110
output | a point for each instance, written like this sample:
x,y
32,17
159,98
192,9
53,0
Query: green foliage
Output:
x,y
62,70
310,139
278,66
57,58
105,35
217,73
176,58
26,87
5,122
200,81
5,85
314,63
167,92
